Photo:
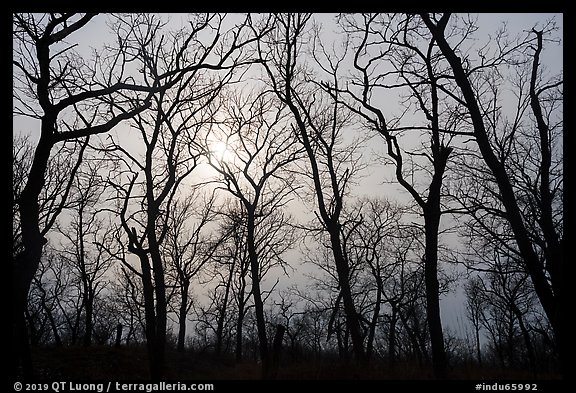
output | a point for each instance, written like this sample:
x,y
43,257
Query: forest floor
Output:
x,y
108,363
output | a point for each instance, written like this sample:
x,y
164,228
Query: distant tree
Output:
x,y
232,259
229,301
367,227
80,232
187,249
128,298
46,294
474,311
289,315
254,169
509,301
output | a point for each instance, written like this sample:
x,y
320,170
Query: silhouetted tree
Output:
x,y
128,297
232,266
319,123
60,174
254,170
539,240
407,59
22,156
46,295
80,231
187,250
168,134
71,98
474,310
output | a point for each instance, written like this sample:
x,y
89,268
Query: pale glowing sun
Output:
x,y
220,151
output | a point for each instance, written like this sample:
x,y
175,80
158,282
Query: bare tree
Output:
x,y
232,258
546,272
71,98
385,252
194,71
474,310
319,127
253,168
506,304
60,172
22,155
128,297
80,231
393,52
187,250
46,293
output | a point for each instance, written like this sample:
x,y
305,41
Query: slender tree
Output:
x,y
394,52
253,168
547,273
319,123
187,249
79,235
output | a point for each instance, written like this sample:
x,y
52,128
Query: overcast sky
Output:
x,y
452,306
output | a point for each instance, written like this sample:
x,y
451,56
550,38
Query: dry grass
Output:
x,y
106,363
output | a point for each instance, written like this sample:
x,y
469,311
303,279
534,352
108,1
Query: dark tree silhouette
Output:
x,y
547,273
54,87
231,268
128,298
187,249
80,233
474,310
407,59
382,249
254,171
175,236
169,132
319,126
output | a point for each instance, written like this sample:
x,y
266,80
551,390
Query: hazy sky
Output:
x,y
452,307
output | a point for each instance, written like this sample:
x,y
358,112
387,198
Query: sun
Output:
x,y
220,151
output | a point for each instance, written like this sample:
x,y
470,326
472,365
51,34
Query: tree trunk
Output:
x,y
118,335
149,315
33,330
352,317
182,314
375,315
276,351
240,321
257,295
161,313
89,307
433,298
223,309
26,356
526,337
478,351
392,337
53,326
239,325
27,262
431,225
413,339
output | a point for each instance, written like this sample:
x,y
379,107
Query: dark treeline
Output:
x,y
203,188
